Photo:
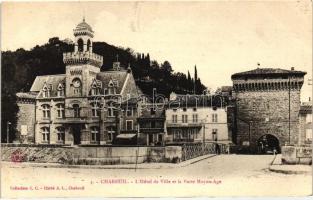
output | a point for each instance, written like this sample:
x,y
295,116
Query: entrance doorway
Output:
x,y
268,144
150,140
76,134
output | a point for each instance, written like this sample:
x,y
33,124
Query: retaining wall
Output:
x,y
90,155
296,155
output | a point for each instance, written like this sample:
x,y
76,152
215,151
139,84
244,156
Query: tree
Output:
x,y
20,68
190,83
195,81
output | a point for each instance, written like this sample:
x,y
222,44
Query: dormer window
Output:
x,y
112,90
111,84
60,90
95,91
45,92
105,91
96,87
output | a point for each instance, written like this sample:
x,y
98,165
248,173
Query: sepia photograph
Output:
x,y
156,99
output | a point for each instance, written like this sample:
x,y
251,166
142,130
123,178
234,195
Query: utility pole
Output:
x,y
289,105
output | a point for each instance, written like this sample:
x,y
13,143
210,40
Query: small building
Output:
x,y
152,124
128,123
305,121
195,119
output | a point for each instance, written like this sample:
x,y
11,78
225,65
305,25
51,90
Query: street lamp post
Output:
x,y
203,134
8,131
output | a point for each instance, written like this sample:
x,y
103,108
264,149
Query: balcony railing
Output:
x,y
151,130
188,124
82,58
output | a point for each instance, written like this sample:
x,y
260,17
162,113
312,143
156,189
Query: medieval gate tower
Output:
x,y
267,107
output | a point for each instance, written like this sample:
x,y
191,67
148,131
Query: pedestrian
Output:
x,y
217,147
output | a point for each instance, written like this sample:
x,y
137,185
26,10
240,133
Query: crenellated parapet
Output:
x,y
268,85
267,104
74,58
268,79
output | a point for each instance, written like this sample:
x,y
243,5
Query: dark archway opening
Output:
x,y
268,144
80,44
76,134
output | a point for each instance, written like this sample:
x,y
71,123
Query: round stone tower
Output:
x,y
267,108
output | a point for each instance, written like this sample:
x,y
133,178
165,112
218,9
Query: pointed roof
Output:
x,y
52,80
84,25
83,29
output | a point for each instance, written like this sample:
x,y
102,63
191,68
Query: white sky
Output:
x,y
221,38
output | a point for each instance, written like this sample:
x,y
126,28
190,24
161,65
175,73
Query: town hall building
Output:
x,y
80,106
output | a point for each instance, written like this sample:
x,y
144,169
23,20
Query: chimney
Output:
x,y
292,68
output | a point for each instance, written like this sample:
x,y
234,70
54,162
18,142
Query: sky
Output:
x,y
221,38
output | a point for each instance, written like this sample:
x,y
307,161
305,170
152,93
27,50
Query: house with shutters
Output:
x,y
81,106
196,119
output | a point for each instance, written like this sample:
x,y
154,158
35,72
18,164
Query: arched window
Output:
x,y
60,110
76,110
45,134
94,134
80,44
46,111
95,109
111,132
111,110
60,134
88,45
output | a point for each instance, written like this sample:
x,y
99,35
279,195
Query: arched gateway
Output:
x,y
268,144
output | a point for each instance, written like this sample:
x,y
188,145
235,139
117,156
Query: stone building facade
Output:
x,y
196,119
152,124
305,121
26,117
267,107
81,106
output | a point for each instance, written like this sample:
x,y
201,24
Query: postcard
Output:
x,y
156,99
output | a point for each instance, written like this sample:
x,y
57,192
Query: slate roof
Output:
x,y
52,80
106,76
267,71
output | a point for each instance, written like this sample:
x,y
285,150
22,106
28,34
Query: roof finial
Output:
x,y
84,15
258,64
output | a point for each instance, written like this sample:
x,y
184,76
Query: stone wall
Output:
x,y
26,116
268,113
296,155
89,155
